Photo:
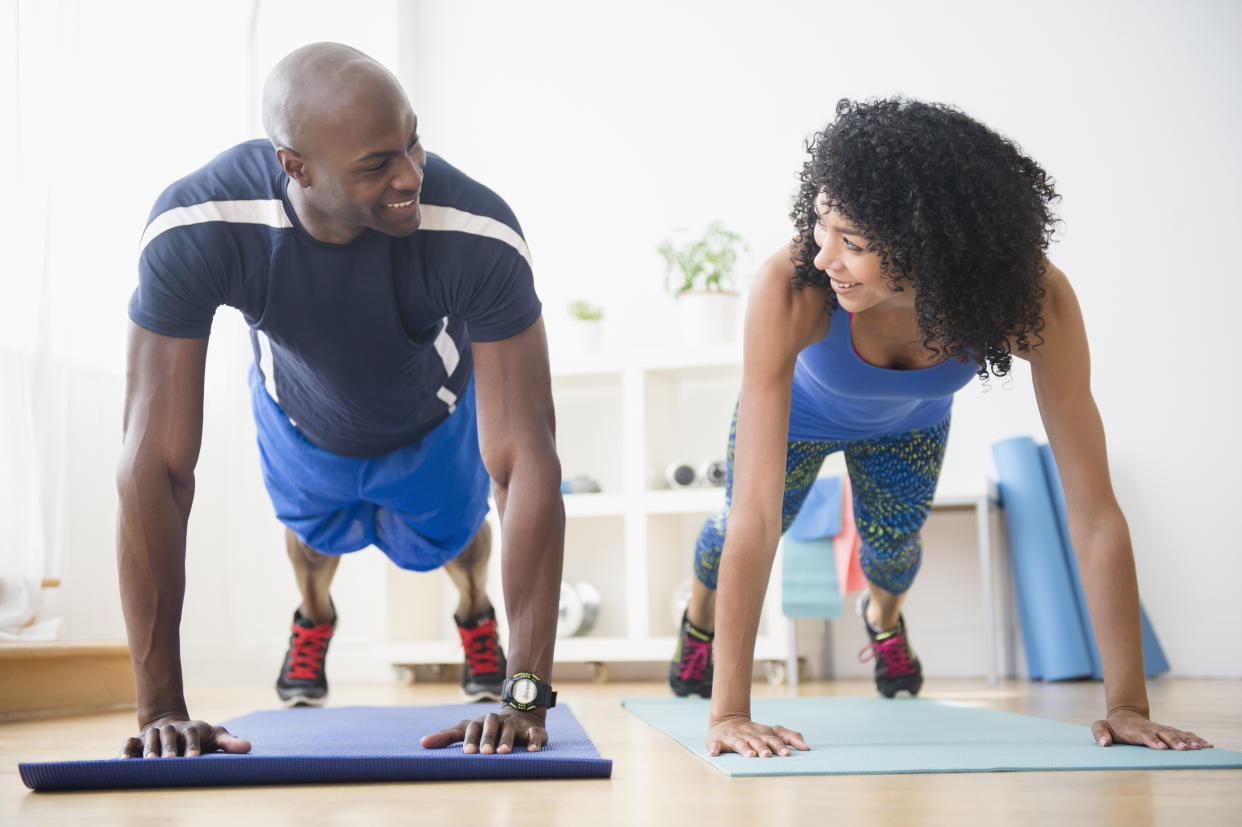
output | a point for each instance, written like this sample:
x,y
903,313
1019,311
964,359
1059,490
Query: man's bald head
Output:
x,y
321,85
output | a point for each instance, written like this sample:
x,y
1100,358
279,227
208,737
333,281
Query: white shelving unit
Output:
x,y
621,419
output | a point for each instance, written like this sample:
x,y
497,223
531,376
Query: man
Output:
x,y
378,282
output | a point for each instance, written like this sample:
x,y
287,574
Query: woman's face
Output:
x,y
853,269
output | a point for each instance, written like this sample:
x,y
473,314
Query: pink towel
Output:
x,y
850,577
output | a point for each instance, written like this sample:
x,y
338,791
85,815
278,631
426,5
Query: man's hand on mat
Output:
x,y
745,737
495,732
1125,726
170,736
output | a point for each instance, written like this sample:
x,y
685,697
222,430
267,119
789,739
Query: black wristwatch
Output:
x,y
525,691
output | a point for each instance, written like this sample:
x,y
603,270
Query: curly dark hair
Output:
x,y
952,209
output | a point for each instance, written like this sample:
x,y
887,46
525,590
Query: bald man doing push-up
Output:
x,y
399,362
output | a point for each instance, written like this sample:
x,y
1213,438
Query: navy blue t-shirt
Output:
x,y
365,345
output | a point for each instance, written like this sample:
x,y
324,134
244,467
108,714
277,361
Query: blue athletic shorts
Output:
x,y
421,505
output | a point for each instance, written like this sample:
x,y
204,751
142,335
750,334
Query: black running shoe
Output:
x,y
302,680
896,665
690,672
483,675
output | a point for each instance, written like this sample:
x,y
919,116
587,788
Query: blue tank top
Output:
x,y
839,396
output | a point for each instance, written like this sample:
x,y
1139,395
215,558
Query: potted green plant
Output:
x,y
699,273
585,326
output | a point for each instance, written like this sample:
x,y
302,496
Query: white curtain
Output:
x,y
111,102
104,105
33,381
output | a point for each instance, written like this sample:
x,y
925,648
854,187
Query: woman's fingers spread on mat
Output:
x,y
1180,739
793,739
1101,733
750,739
1129,727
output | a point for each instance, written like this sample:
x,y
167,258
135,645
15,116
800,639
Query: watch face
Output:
x,y
524,690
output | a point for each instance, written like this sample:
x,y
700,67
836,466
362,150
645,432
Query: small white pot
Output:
x,y
708,317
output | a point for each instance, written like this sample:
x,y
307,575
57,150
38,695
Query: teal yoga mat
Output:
x,y
869,736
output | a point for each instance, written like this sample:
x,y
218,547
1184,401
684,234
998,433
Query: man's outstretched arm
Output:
x,y
517,437
163,425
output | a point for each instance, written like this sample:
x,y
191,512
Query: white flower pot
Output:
x,y
708,317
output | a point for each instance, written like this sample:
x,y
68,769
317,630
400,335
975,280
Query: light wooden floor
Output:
x,y
655,781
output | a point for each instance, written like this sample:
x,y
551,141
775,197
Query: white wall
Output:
x,y
607,125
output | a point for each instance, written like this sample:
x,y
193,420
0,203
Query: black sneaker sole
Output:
x,y
684,689
303,700
890,690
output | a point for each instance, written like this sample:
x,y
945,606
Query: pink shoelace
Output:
x,y
694,656
892,652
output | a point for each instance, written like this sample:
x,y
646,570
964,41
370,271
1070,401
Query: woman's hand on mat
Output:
x,y
1125,726
745,737
495,732
170,736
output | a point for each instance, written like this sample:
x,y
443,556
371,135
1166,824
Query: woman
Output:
x,y
918,264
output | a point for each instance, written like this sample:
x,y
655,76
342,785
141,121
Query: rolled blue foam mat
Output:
x,y
336,745
870,736
1052,633
1154,661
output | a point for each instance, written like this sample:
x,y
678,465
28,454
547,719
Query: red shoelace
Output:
x,y
306,651
892,652
480,643
694,656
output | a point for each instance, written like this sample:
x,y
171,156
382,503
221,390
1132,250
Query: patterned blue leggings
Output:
x,y
894,480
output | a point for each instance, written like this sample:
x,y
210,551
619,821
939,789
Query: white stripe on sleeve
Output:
x,y
268,212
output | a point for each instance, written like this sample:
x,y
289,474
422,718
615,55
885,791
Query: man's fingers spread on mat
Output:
x,y
508,733
471,742
536,737
170,741
151,743
224,740
132,748
491,726
441,739
191,743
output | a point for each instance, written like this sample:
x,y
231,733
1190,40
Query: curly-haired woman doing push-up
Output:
x,y
918,263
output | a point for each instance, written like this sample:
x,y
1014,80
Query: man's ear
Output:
x,y
294,165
